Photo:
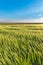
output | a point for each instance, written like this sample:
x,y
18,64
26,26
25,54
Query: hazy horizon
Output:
x,y
40,20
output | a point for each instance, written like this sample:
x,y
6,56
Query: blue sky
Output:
x,y
21,9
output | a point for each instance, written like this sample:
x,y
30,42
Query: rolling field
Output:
x,y
21,44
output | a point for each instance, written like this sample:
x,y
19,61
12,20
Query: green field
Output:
x,y
21,44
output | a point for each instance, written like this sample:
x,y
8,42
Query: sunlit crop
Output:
x,y
21,44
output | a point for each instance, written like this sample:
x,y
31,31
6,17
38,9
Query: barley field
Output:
x,y
21,44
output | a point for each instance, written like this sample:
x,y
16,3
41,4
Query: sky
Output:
x,y
21,10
